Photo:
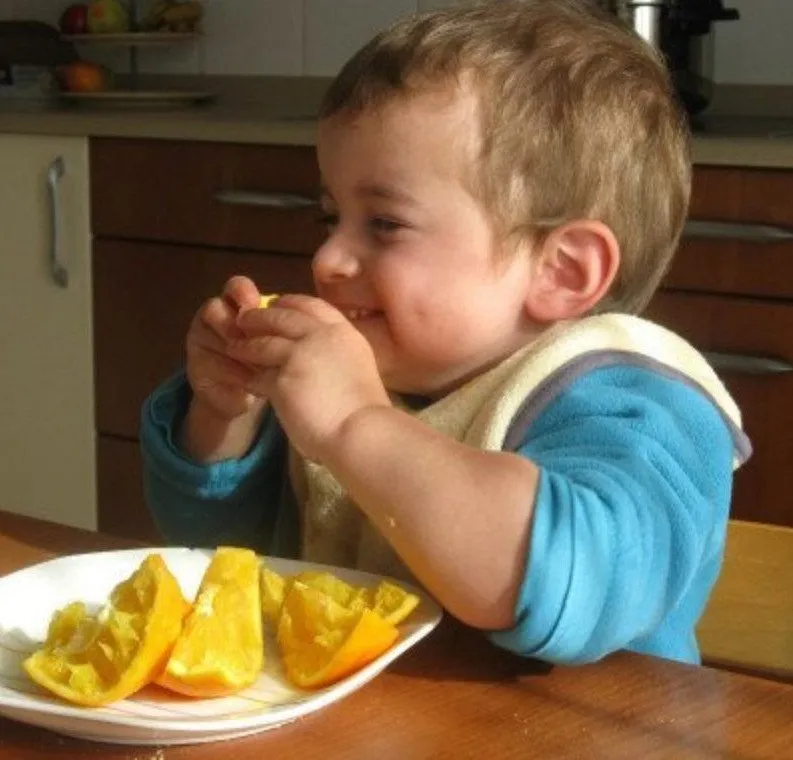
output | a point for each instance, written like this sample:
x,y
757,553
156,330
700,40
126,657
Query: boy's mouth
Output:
x,y
358,314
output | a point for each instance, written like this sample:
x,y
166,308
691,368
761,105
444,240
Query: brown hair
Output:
x,y
577,120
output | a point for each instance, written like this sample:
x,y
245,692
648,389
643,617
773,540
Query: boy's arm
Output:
x,y
458,517
232,501
630,519
626,503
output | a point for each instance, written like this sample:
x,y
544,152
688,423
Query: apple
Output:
x,y
84,76
107,17
74,19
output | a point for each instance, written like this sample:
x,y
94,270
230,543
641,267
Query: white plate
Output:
x,y
28,598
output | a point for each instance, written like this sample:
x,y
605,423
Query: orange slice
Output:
x,y
95,659
220,650
321,641
392,602
347,595
273,588
387,599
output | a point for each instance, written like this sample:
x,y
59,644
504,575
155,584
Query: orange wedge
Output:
x,y
387,599
273,588
347,595
322,641
95,659
220,650
392,602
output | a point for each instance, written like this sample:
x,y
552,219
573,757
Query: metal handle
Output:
x,y
751,233
264,200
746,364
60,274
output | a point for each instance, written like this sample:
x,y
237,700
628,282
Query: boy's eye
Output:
x,y
328,219
377,224
382,224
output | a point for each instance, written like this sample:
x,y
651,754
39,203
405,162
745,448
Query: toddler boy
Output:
x,y
470,401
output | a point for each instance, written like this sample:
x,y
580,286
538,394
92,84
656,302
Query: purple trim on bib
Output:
x,y
551,386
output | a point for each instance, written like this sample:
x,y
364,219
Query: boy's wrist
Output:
x,y
354,435
208,436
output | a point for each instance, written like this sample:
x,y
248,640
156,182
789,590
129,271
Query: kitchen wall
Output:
x,y
293,37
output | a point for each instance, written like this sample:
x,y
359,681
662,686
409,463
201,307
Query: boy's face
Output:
x,y
411,257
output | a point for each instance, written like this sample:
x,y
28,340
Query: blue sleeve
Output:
x,y
629,516
229,502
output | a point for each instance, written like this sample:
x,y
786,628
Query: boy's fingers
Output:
x,y
266,351
241,293
311,305
202,336
220,318
286,322
216,366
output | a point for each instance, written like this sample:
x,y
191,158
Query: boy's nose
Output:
x,y
335,261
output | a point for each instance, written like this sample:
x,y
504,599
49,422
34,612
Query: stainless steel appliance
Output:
x,y
683,31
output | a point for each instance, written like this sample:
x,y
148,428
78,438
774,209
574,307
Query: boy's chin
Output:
x,y
400,386
425,388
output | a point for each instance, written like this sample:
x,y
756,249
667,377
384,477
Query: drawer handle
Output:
x,y
745,364
264,200
750,233
58,270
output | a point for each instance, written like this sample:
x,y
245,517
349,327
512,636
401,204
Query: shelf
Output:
x,y
133,39
131,99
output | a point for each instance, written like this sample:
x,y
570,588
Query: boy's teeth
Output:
x,y
357,313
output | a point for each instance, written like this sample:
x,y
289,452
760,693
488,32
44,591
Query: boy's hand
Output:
x,y
316,369
219,381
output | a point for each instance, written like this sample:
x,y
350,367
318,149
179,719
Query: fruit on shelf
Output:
x,y
107,17
84,76
74,19
174,16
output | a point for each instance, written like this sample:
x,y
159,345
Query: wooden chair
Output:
x,y
748,623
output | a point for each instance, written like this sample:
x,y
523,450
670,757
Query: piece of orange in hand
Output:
x,y
321,641
221,649
95,659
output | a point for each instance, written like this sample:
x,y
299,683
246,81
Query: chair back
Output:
x,y
748,622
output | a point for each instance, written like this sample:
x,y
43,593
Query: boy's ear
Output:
x,y
572,271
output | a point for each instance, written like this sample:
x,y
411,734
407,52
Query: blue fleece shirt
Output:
x,y
629,519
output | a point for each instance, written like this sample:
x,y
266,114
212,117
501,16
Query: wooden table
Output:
x,y
456,696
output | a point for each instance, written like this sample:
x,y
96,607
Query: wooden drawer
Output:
x,y
761,196
145,296
739,238
754,341
122,508
173,191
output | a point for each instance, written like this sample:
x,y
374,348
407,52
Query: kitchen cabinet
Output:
x,y
185,218
730,293
47,467
172,220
